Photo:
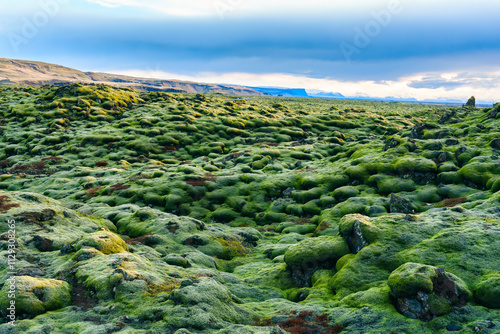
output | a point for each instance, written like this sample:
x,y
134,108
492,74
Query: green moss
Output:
x,y
439,305
352,205
223,215
311,208
314,252
360,225
295,209
358,173
299,229
449,178
487,291
344,260
378,296
304,196
411,278
333,182
387,184
478,173
35,296
104,241
417,165
301,156
493,184
343,193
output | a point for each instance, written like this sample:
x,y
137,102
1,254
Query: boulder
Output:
x,y
357,231
471,102
310,255
424,292
417,131
487,291
104,241
400,205
495,143
35,296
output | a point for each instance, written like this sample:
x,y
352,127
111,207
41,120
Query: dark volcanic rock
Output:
x,y
454,327
400,205
417,131
43,244
447,116
357,231
495,143
471,102
426,292
391,144
494,112
303,259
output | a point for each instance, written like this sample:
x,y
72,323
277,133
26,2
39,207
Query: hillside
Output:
x,y
32,73
149,212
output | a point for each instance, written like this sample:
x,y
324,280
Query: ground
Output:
x,y
180,213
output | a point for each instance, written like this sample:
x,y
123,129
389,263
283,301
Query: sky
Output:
x,y
400,48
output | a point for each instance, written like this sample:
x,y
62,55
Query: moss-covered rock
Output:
x,y
309,255
357,231
487,291
104,241
423,292
34,296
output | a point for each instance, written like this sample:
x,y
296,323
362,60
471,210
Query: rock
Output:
x,y
66,249
35,296
494,112
375,210
400,205
442,157
177,260
454,327
424,292
391,144
104,241
487,291
205,304
182,331
357,231
471,102
447,116
433,146
310,255
249,239
277,330
495,143
287,192
452,142
417,131
43,244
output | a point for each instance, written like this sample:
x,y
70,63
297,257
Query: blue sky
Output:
x,y
402,48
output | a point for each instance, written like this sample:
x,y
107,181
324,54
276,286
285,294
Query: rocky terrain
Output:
x,y
157,212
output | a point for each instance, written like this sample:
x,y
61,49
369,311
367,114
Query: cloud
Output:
x,y
335,9
181,8
402,88
452,81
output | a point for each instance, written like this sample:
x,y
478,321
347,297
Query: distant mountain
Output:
x,y
280,91
327,95
34,73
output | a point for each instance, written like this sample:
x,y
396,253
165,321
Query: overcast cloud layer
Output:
x,y
403,48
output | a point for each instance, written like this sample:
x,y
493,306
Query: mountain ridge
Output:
x,y
35,73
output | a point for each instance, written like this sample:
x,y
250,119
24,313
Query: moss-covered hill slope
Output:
x,y
177,213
